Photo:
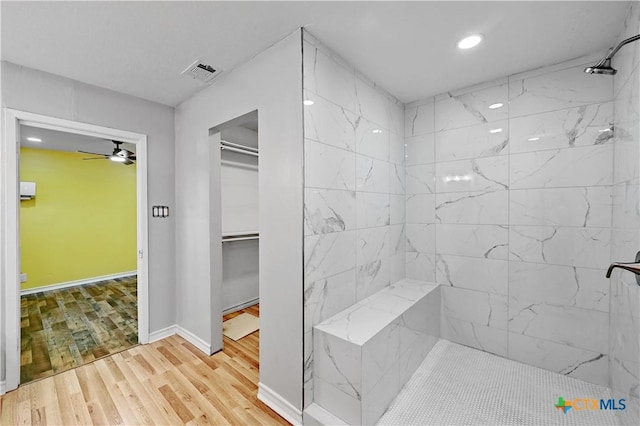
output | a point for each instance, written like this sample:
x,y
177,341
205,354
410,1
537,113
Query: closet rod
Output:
x,y
237,145
238,150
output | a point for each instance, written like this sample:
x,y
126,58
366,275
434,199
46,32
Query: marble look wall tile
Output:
x,y
624,245
483,241
329,123
486,208
419,120
419,150
397,239
412,358
372,140
371,103
397,266
488,275
372,277
329,167
478,307
327,78
557,90
583,207
397,178
397,209
585,166
420,208
372,244
454,111
482,174
567,128
592,367
420,179
307,395
421,238
534,284
626,151
337,362
373,210
396,149
585,247
372,175
344,406
477,336
379,354
327,210
420,266
576,327
328,254
327,297
376,402
481,140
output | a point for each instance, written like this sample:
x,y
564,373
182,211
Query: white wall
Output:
x,y
35,91
271,83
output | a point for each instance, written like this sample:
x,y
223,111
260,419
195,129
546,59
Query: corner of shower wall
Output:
x,y
354,191
509,187
624,324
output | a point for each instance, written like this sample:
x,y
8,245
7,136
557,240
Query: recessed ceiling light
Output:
x,y
34,139
308,102
469,42
604,130
495,130
496,105
377,131
533,139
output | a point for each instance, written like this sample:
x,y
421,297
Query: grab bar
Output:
x,y
627,266
240,237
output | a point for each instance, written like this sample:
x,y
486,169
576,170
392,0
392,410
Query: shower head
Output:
x,y
602,67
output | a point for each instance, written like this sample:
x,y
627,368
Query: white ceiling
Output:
x,y
140,48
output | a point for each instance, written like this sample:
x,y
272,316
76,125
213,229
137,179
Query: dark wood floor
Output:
x,y
63,329
169,382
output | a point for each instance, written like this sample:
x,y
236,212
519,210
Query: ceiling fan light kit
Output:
x,y
119,155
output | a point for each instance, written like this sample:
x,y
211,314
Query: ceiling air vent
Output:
x,y
201,72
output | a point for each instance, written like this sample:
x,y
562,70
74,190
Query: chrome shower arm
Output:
x,y
622,43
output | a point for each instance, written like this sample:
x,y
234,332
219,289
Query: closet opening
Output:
x,y
238,145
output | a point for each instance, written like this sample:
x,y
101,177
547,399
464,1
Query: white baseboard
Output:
x,y
316,415
194,340
163,333
75,283
241,306
280,405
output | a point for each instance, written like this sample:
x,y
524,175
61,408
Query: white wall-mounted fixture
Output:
x,y
27,190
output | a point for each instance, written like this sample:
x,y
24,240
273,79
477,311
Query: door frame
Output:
x,y
10,235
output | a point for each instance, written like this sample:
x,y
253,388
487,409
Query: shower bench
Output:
x,y
365,354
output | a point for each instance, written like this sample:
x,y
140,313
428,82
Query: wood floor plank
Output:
x,y
169,382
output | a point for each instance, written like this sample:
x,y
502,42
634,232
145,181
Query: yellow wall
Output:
x,y
82,222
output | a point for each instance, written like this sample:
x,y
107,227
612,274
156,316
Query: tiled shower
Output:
x,y
513,195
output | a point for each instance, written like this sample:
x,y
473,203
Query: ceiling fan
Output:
x,y
120,155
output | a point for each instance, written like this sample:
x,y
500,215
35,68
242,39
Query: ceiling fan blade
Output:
x,y
96,158
132,157
93,153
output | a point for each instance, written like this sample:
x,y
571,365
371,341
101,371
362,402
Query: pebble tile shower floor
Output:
x,y
457,385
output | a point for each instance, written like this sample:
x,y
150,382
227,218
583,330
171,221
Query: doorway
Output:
x,y
237,143
101,293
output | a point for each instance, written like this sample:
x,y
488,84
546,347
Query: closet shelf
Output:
x,y
240,236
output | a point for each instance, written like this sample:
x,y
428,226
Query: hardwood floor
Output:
x,y
63,329
168,382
